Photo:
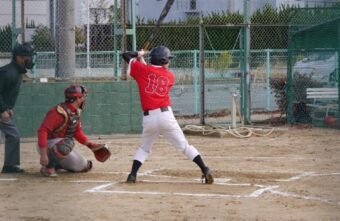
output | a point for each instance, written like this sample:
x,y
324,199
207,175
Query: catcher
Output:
x,y
57,133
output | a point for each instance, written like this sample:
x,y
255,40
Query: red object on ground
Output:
x,y
331,121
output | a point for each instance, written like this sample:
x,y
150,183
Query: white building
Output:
x,y
43,11
36,11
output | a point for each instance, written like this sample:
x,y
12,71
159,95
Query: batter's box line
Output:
x,y
254,194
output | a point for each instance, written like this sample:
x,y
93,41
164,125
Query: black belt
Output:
x,y
163,109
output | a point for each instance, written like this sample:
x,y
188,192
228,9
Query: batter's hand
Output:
x,y
140,56
141,53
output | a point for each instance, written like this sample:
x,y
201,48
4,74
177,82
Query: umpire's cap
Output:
x,y
160,55
24,49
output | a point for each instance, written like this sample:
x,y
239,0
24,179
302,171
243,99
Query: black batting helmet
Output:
x,y
160,55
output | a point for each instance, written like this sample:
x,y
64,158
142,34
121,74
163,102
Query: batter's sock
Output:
x,y
135,167
198,160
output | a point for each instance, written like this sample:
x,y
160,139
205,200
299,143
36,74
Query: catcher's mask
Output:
x,y
73,92
160,55
25,50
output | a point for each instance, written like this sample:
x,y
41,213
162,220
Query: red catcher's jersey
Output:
x,y
154,84
52,121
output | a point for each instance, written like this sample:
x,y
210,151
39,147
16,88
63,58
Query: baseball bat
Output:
x,y
164,12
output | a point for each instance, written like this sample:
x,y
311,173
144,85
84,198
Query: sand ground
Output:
x,y
292,174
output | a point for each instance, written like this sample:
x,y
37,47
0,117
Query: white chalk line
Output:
x,y
218,181
258,158
254,158
313,198
221,181
100,188
307,174
297,177
255,194
8,179
173,194
90,181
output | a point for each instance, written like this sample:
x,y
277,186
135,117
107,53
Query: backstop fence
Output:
x,y
237,50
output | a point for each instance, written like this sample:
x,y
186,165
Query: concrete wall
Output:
x,y
111,107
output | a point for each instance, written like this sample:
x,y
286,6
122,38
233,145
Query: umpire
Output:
x,y
10,81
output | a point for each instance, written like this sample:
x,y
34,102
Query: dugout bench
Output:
x,y
322,102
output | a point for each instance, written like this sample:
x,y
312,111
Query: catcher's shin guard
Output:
x,y
208,176
61,149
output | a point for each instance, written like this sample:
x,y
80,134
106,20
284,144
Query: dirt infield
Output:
x,y
288,175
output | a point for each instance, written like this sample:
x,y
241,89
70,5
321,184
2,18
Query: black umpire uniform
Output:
x,y
10,81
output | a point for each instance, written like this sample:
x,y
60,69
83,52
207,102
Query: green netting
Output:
x,y
313,67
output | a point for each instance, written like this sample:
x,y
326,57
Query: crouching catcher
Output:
x,y
58,132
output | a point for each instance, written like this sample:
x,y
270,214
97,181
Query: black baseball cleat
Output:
x,y
12,169
131,178
208,176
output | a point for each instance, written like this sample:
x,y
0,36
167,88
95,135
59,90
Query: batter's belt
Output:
x,y
163,109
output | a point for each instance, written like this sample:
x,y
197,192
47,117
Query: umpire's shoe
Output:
x,y
208,176
12,169
131,178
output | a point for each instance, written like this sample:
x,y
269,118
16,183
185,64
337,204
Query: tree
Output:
x,y
100,12
80,37
42,39
223,63
6,39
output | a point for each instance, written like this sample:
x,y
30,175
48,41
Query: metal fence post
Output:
x,y
268,79
245,81
338,70
202,75
196,74
289,88
115,40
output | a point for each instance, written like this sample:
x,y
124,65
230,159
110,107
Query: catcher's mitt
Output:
x,y
101,152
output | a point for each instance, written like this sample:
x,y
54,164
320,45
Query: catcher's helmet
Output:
x,y
73,92
160,55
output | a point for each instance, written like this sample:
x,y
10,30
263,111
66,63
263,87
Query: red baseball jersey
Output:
x,y
154,84
53,121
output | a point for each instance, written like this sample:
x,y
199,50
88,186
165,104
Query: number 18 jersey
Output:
x,y
154,84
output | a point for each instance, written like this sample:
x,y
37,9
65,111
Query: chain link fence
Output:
x,y
313,76
83,39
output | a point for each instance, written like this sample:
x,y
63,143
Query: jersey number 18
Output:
x,y
157,85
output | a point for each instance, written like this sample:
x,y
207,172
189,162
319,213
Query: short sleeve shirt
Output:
x,y
154,84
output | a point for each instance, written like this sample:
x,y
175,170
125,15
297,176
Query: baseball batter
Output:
x,y
57,133
154,83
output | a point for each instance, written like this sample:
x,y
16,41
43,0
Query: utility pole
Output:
x,y
23,27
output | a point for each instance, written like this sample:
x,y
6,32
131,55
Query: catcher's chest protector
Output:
x,y
70,120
